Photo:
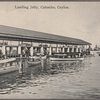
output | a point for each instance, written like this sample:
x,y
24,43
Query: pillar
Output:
x,y
68,49
50,51
3,49
19,49
80,50
57,50
76,49
85,48
8,50
63,49
31,51
72,48
20,67
42,51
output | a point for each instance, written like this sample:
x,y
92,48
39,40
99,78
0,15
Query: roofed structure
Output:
x,y
8,32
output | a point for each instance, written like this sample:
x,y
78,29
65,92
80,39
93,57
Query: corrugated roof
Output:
x,y
18,33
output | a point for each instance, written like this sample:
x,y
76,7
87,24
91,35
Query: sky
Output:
x,y
79,20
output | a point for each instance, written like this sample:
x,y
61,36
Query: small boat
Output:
x,y
7,60
58,62
9,69
38,56
66,59
32,61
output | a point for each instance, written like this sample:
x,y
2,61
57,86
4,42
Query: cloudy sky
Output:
x,y
81,20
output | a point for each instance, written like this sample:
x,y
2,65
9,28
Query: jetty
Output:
x,y
14,41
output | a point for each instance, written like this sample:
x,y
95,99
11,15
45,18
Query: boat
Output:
x,y
66,59
32,61
60,62
39,56
7,60
9,69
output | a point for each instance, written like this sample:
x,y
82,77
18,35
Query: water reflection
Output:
x,y
66,67
31,76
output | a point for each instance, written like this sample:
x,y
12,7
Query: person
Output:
x,y
23,52
27,52
1,54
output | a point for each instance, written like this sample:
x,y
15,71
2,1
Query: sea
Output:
x,y
54,80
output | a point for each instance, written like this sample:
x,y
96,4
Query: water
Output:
x,y
63,80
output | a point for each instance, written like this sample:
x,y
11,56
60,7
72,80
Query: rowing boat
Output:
x,y
7,60
9,69
32,61
38,57
66,59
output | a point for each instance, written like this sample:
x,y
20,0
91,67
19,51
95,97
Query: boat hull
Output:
x,y
7,60
33,63
65,59
8,69
38,57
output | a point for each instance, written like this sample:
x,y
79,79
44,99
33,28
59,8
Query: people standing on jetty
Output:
x,y
1,54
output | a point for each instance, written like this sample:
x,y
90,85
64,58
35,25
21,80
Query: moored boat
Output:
x,y
38,57
9,69
32,61
66,59
7,60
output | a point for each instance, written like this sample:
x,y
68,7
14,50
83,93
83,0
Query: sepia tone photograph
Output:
x,y
49,50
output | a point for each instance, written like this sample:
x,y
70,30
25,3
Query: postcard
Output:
x,y
49,50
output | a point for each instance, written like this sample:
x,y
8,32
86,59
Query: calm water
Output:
x,y
52,80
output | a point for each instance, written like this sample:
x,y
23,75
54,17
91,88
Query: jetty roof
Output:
x,y
8,32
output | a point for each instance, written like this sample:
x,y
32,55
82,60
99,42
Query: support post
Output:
x,y
80,52
3,49
50,52
31,51
68,49
63,49
57,50
72,48
42,51
19,49
76,49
